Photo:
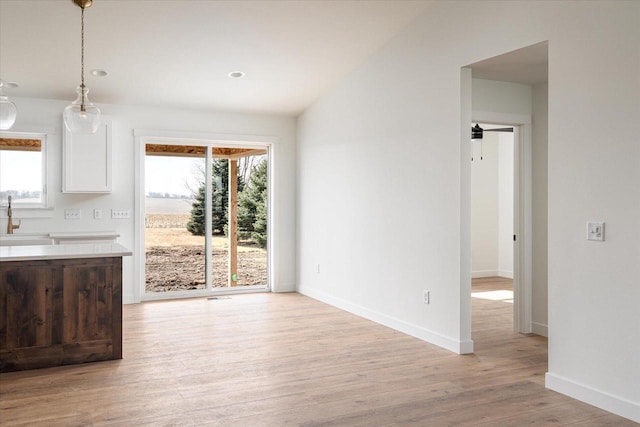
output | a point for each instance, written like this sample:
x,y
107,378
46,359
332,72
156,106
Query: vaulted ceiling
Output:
x,y
178,53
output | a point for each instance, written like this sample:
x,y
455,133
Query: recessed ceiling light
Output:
x,y
98,73
236,74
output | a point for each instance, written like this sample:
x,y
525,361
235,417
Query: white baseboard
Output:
x,y
477,274
451,344
505,273
603,400
284,287
128,298
540,329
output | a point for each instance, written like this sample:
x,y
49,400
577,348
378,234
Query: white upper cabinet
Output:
x,y
87,160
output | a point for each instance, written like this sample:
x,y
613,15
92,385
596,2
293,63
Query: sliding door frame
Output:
x,y
141,139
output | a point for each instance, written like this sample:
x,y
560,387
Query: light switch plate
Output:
x,y
595,230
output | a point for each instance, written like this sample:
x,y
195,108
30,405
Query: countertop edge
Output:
x,y
83,234
64,251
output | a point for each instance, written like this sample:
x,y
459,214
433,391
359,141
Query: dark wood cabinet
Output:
x,y
60,312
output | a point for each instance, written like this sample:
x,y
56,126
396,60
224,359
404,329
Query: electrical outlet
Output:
x,y
425,297
97,214
72,214
120,213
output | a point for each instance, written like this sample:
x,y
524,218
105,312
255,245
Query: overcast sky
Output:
x,y
174,175
20,170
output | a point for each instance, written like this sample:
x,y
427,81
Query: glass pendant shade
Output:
x,y
8,113
82,117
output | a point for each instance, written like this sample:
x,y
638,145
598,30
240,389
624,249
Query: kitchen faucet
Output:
x,y
10,225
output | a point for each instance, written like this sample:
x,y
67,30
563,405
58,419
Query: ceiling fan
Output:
x,y
477,133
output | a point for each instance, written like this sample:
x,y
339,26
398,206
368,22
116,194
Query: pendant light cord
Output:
x,y
82,108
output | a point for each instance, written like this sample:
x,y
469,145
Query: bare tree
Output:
x,y
247,164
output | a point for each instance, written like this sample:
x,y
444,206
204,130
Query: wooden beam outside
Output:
x,y
232,227
20,144
244,153
175,150
200,151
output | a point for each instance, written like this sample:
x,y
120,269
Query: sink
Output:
x,y
25,239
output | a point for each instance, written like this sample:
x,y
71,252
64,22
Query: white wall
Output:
x,y
484,207
492,206
500,98
38,114
594,288
491,96
540,210
505,204
379,199
512,99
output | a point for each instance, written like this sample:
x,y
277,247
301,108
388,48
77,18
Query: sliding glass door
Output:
x,y
205,219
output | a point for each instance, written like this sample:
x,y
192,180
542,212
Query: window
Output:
x,y
23,169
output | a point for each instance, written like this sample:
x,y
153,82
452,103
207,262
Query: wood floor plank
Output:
x,y
555,415
287,360
374,410
608,420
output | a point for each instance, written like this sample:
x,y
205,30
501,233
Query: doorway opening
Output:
x,y
511,88
492,228
205,218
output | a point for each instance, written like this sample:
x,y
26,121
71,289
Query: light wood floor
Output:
x,y
284,359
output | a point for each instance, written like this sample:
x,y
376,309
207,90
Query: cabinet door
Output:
x,y
92,311
30,317
87,160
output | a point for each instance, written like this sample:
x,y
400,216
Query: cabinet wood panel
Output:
x,y
87,302
30,294
60,312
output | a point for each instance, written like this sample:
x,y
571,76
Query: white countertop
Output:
x,y
71,251
84,234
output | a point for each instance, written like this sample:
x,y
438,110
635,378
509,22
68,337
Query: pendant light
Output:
x,y
8,110
82,116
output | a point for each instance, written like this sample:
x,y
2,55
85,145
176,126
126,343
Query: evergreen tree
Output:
x,y
252,206
219,200
196,221
260,225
